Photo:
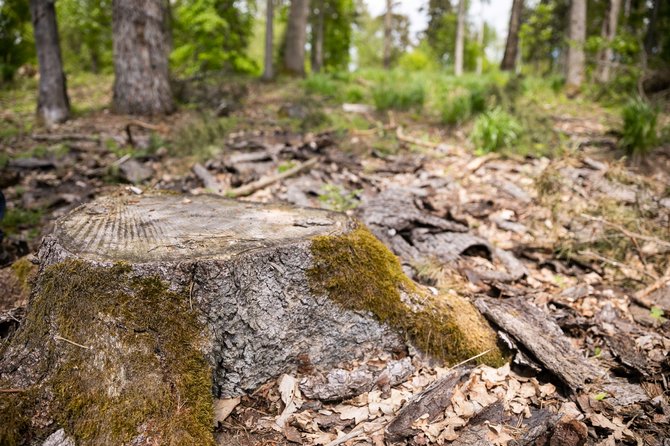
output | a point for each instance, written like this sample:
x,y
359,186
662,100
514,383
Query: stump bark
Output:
x,y
145,308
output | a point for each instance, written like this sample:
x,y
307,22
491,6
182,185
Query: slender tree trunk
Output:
x,y
53,105
577,36
512,48
605,56
460,37
141,84
651,39
268,70
317,64
480,43
296,36
388,33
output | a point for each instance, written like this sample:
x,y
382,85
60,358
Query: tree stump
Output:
x,y
145,308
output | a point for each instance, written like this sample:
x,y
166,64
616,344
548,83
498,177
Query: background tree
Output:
x,y
53,105
440,30
141,84
86,30
388,30
268,54
460,38
16,40
331,34
213,35
609,28
296,37
318,30
512,47
577,37
369,39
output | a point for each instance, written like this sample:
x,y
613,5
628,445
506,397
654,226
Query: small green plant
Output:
x,y
657,313
321,84
601,396
495,130
597,352
457,110
396,96
285,166
336,198
639,128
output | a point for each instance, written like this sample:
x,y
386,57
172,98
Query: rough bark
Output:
x,y
480,42
606,55
460,39
141,83
157,300
388,34
577,37
268,57
317,51
296,37
53,105
512,47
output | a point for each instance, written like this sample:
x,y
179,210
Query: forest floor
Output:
x,y
571,239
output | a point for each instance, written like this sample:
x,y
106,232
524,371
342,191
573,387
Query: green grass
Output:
x,y
398,96
639,134
495,130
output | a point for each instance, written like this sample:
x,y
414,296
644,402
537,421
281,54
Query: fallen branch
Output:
x,y
640,297
65,136
250,188
207,179
410,140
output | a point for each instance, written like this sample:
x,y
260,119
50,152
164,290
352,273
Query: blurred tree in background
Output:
x,y
17,46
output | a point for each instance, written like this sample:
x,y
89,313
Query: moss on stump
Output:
x,y
125,360
360,273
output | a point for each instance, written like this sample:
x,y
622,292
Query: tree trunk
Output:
x,y
268,58
296,37
53,105
651,38
388,34
606,55
317,60
511,49
141,84
460,38
145,305
576,36
480,42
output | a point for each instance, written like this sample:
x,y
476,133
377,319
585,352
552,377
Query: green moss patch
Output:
x,y
361,274
121,357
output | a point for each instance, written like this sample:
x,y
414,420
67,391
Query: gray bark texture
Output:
x,y
268,57
577,37
53,105
317,50
512,47
606,55
388,33
460,39
141,46
296,37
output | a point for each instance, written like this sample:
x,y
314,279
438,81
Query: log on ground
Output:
x,y
145,308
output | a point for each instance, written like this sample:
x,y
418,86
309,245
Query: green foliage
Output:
x,y
369,39
16,38
85,28
420,58
321,84
338,21
464,105
657,313
336,198
495,130
639,128
399,94
601,396
18,219
212,35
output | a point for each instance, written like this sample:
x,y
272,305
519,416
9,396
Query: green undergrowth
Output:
x,y
361,274
120,356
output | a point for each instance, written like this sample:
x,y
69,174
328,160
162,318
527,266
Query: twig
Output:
x,y
626,232
207,178
355,433
410,140
60,338
12,390
65,136
250,188
469,359
160,128
640,297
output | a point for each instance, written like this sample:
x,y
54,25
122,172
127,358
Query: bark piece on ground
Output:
x,y
144,304
432,401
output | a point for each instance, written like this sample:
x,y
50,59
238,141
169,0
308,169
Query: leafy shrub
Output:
x,y
354,94
495,130
639,128
457,111
398,96
320,84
